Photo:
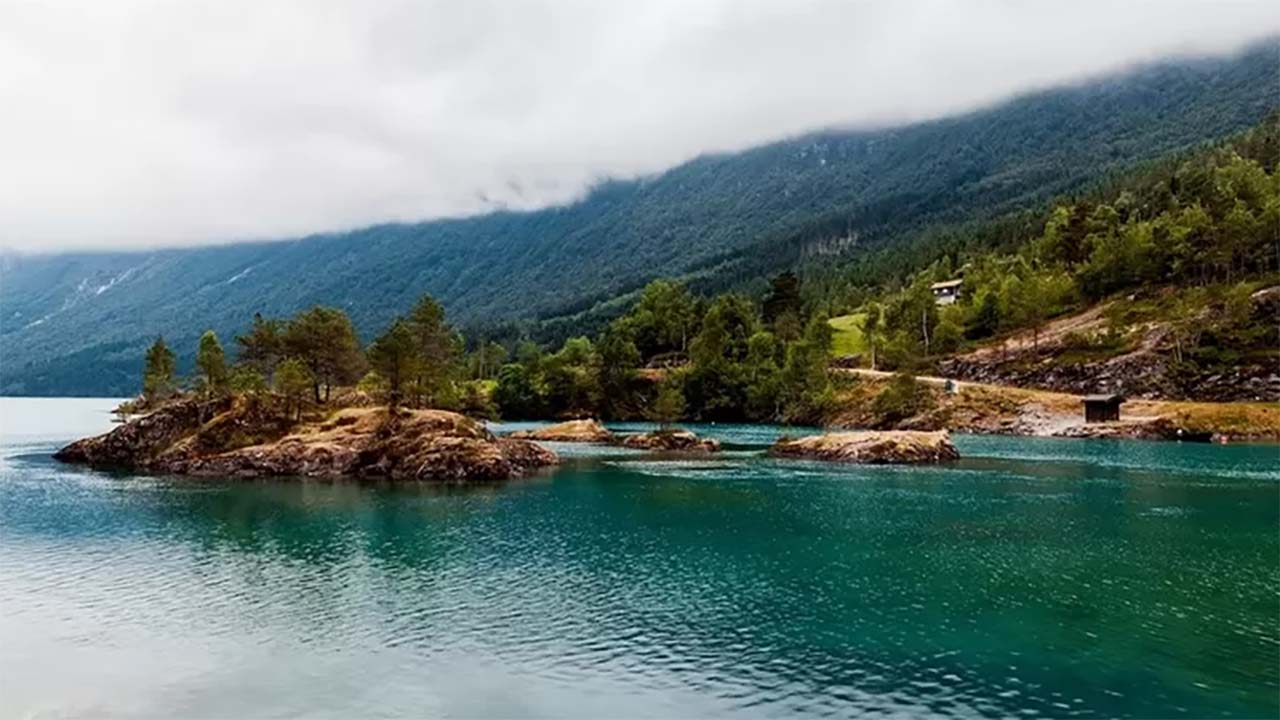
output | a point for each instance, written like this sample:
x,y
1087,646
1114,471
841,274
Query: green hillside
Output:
x,y
76,323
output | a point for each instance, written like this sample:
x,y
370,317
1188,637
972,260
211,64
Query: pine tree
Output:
x,y
157,376
293,380
211,363
394,356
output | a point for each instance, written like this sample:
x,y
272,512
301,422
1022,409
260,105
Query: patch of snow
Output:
x,y
239,275
114,281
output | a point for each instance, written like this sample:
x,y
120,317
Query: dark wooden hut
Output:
x,y
1102,408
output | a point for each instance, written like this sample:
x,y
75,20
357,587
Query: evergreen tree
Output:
x,y
395,358
439,349
211,364
263,346
293,380
324,340
618,361
157,376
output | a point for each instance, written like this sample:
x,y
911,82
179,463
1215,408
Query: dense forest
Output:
x,y
76,323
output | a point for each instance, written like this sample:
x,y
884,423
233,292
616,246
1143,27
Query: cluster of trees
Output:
x,y
674,354
419,361
1209,219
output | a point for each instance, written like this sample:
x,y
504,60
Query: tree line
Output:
x,y
673,354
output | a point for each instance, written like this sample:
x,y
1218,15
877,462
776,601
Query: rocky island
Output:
x,y
242,437
870,447
588,430
671,441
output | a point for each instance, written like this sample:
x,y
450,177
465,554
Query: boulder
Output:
x,y
871,447
671,441
588,430
425,445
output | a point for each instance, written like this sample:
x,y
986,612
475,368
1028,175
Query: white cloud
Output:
x,y
134,123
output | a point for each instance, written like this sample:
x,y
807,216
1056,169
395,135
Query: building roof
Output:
x,y
1104,398
946,284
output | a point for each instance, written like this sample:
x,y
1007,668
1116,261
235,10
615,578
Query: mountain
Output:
x,y
76,323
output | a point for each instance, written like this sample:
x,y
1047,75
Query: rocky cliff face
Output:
x,y
238,441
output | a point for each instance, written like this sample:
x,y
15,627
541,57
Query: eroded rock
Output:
x,y
588,430
871,447
426,445
671,441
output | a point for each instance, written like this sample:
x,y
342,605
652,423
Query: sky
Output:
x,y
135,123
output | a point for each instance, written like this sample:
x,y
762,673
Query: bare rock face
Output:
x,y
871,447
141,440
671,441
589,430
425,445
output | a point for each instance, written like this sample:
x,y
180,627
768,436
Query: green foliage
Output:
x,y
475,401
517,395
394,356
1204,219
211,364
324,340
158,373
805,385
484,361
245,380
438,353
668,407
902,398
783,307
293,380
263,346
663,318
619,358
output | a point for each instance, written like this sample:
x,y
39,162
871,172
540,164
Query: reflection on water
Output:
x,y
1033,578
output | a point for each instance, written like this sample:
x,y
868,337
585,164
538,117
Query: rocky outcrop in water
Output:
x,y
671,441
871,447
588,430
425,445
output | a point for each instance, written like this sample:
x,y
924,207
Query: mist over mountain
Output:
x,y
76,323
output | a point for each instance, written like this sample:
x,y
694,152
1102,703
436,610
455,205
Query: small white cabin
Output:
x,y
946,292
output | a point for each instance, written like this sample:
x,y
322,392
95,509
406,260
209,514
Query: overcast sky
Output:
x,y
127,123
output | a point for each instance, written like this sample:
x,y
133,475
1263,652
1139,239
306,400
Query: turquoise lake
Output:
x,y
1034,578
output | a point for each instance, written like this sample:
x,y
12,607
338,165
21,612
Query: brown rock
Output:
x,y
671,441
427,445
589,430
871,447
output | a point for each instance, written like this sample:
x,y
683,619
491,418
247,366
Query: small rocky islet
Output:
x,y
869,447
244,438
248,437
590,430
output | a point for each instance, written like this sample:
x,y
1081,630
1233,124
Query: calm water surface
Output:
x,y
1035,578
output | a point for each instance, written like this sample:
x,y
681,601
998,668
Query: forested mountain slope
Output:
x,y
77,323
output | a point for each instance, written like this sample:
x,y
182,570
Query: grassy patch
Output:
x,y
847,339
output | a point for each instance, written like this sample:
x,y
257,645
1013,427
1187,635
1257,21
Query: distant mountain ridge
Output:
x,y
76,323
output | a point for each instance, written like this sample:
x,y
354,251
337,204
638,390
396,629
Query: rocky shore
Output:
x,y
243,438
871,447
